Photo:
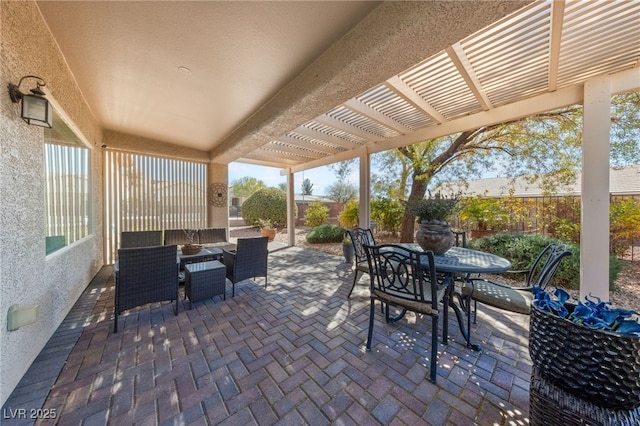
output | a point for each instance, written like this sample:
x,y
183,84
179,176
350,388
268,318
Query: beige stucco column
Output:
x,y
594,234
218,217
291,208
365,189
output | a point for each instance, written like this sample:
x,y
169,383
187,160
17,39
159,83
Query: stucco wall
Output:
x,y
27,275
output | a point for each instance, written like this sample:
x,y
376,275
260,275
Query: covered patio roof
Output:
x,y
363,75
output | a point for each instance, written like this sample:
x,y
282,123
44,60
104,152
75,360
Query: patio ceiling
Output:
x,y
302,84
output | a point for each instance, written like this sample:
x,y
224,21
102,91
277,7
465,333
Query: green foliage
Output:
x,y
246,186
350,214
317,214
325,234
437,207
266,204
522,249
566,229
625,224
387,213
484,213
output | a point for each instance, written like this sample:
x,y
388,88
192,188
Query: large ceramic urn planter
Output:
x,y
435,235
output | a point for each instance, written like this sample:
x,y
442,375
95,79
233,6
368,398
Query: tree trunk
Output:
x,y
418,190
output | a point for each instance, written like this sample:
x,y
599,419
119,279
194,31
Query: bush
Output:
x,y
522,250
387,213
317,214
326,234
266,204
349,216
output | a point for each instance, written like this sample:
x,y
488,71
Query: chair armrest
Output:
x,y
228,258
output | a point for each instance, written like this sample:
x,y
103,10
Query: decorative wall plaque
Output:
x,y
217,194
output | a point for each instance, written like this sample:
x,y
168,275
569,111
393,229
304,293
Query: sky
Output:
x,y
320,177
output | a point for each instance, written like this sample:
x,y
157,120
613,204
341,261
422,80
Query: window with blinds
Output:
x,y
67,186
145,193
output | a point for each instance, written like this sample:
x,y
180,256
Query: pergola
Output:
x,y
399,77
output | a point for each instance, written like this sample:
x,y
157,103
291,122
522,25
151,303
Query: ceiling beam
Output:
x,y
460,60
557,18
365,110
402,89
334,141
330,121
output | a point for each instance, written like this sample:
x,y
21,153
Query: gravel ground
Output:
x,y
626,295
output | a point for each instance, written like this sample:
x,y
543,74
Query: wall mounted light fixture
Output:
x,y
36,109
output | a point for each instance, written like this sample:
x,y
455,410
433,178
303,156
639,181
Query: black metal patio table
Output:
x,y
462,261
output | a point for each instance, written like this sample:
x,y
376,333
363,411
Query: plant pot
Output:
x,y
435,235
190,249
601,367
347,251
271,233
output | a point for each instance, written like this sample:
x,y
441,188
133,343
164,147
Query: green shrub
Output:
x,y
387,213
266,204
317,214
522,250
326,234
349,216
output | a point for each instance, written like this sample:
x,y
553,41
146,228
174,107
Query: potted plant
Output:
x,y
267,229
435,232
485,214
190,248
347,248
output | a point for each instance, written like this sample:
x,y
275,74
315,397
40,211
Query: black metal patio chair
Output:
x,y
406,279
515,298
360,237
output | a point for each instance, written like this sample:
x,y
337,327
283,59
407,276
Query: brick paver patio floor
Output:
x,y
292,353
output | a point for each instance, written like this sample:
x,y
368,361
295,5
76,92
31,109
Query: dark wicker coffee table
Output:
x,y
204,280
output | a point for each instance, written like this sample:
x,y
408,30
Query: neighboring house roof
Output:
x,y
310,198
622,181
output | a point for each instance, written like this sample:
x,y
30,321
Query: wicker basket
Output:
x,y
190,249
599,366
551,406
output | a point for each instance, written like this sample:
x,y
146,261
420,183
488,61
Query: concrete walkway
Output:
x,y
292,353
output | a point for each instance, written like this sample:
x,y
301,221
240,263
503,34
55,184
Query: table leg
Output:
x,y
449,302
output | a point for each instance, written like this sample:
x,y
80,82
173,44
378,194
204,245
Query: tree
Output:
x,y
245,186
307,187
342,190
393,182
545,147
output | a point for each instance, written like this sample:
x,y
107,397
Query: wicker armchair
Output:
x,y
248,261
145,275
215,237
360,237
129,239
179,237
406,279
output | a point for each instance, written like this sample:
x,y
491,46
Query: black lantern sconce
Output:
x,y
36,109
